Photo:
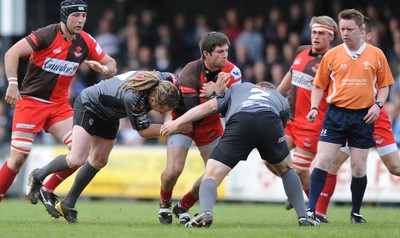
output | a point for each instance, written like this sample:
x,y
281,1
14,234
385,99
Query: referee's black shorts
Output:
x,y
343,125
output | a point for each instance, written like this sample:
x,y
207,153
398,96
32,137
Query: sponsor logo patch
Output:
x,y
25,126
62,67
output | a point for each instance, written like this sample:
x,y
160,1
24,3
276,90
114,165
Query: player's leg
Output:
x,y
97,150
276,152
290,143
330,184
302,160
58,124
358,183
59,166
206,138
386,144
177,150
330,141
324,160
92,142
213,176
21,145
61,132
234,145
360,140
24,130
181,209
392,162
305,146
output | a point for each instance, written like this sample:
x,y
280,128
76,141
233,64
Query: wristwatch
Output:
x,y
380,105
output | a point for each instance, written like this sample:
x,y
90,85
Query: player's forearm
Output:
x,y
112,68
152,131
284,86
382,94
198,112
316,97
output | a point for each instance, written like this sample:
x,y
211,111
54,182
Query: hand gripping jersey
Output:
x,y
192,79
55,61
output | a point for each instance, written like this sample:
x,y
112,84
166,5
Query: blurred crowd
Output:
x,y
263,47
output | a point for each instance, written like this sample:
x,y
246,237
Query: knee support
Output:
x,y
302,161
22,144
67,139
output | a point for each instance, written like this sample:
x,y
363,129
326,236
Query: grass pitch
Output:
x,y
110,218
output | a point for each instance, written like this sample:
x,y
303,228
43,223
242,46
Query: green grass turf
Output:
x,y
114,218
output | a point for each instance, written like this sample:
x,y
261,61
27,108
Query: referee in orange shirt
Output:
x,y
354,74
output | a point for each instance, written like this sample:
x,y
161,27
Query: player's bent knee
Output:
x,y
395,170
75,163
171,175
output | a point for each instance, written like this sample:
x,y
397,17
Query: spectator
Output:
x,y
271,31
259,72
131,46
106,35
309,12
163,60
277,73
287,56
147,28
145,57
272,56
296,18
252,40
294,40
232,25
187,48
242,60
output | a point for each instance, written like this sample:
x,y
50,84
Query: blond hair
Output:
x,y
324,20
165,92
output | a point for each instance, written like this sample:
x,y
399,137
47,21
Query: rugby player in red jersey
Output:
x,y
41,101
301,135
197,83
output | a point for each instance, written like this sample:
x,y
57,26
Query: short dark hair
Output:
x,y
265,84
369,24
352,14
211,40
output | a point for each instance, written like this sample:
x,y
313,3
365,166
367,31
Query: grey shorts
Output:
x,y
179,140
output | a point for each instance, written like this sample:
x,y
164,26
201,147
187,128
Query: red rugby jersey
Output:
x,y
303,71
55,61
193,77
